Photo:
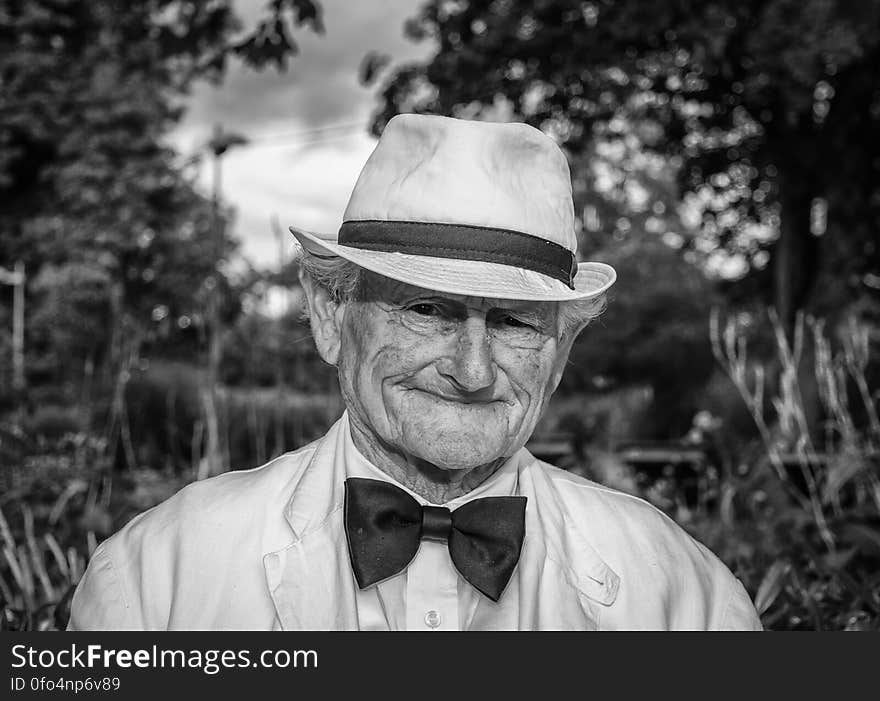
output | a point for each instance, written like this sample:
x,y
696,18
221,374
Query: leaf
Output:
x,y
771,585
308,13
371,66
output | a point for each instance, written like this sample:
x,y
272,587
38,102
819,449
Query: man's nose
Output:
x,y
471,366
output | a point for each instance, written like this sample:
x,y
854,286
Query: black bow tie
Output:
x,y
384,526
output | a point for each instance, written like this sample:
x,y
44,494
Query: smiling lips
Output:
x,y
474,398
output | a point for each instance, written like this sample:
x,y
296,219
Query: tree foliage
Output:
x,y
90,193
767,112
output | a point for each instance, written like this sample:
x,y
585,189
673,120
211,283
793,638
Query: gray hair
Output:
x,y
343,279
576,314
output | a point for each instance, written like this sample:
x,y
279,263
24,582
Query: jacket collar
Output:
x,y
311,581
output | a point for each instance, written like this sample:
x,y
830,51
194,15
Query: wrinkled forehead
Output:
x,y
378,288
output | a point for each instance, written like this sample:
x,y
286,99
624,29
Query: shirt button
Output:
x,y
433,619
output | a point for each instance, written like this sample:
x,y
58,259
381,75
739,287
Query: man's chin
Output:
x,y
464,452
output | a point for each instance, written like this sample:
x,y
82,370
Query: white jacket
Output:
x,y
265,549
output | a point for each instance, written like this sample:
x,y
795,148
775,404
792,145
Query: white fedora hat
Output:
x,y
472,208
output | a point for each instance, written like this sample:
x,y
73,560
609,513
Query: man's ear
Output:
x,y
325,317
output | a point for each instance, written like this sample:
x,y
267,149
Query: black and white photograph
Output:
x,y
439,315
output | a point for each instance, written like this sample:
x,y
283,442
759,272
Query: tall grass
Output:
x,y
814,535
43,575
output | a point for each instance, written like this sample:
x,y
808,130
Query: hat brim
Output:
x,y
466,277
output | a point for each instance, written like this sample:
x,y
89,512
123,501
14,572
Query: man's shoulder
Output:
x,y
624,528
595,499
667,579
230,503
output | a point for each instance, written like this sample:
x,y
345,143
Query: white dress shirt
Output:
x,y
429,594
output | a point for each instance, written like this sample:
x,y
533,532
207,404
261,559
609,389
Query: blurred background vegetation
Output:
x,y
724,159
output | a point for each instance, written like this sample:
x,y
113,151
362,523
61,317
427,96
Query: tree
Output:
x,y
90,87
769,112
89,90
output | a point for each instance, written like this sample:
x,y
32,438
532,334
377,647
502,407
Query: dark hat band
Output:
x,y
462,242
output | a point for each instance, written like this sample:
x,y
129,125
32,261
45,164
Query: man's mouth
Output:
x,y
477,398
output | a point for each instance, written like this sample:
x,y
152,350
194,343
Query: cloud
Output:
x,y
304,188
297,166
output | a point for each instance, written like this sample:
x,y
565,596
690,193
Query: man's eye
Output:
x,y
424,309
513,322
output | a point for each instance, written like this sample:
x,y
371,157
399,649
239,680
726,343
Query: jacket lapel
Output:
x,y
310,580
564,584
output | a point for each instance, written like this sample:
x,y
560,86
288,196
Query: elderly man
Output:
x,y
448,302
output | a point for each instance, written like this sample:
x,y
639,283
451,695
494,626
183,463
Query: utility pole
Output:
x,y
17,279
212,463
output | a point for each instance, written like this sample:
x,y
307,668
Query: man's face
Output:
x,y
455,381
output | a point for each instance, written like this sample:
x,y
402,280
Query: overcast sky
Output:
x,y
307,126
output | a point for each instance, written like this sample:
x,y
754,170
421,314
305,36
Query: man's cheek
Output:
x,y
529,372
397,359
